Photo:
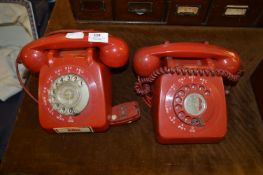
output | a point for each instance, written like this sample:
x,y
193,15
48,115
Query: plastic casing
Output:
x,y
56,55
169,127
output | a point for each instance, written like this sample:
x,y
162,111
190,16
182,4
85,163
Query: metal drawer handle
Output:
x,y
140,8
140,11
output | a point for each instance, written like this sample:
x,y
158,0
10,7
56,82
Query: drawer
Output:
x,y
192,12
234,12
259,22
92,9
139,10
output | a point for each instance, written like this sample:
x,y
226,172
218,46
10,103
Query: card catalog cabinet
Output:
x,y
183,12
234,12
92,9
238,13
139,10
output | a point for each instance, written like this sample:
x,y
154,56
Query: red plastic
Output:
x,y
113,54
97,77
187,109
54,56
146,60
125,113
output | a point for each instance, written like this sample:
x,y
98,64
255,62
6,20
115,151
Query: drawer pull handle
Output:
x,y
140,11
140,8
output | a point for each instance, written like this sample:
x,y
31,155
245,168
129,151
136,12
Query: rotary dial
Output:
x,y
190,102
69,94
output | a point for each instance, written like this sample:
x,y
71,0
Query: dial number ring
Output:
x,y
68,94
190,102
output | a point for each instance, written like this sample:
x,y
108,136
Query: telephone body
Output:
x,y
185,86
75,82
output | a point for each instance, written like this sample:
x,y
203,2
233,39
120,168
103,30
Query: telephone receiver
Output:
x,y
35,54
75,82
183,85
149,59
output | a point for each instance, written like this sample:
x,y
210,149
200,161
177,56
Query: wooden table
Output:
x,y
132,149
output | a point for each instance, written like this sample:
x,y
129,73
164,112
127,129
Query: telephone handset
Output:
x,y
75,83
182,82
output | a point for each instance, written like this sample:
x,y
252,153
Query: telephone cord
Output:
x,y
22,83
143,84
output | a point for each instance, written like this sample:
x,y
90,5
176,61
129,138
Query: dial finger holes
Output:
x,y
71,110
69,94
181,115
178,100
181,93
187,120
187,88
207,92
74,78
63,109
178,108
201,88
194,86
190,102
56,105
80,83
61,80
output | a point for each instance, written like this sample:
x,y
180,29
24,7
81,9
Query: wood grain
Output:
x,y
257,86
100,13
132,149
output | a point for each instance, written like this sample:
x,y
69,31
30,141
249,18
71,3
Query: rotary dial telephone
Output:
x,y
183,84
75,82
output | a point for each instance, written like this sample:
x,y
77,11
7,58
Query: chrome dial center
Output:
x,y
195,104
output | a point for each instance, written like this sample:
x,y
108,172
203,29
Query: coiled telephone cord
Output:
x,y
143,84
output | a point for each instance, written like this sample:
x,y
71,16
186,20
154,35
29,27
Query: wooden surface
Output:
x,y
257,86
132,149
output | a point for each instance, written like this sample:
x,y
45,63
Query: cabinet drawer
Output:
x,y
139,10
259,22
191,12
92,9
234,12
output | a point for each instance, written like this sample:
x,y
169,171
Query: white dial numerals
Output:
x,y
69,94
203,81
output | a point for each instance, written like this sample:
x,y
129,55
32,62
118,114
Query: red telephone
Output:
x,y
183,83
74,83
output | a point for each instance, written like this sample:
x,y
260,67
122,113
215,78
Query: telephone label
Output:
x,y
73,129
75,35
98,37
